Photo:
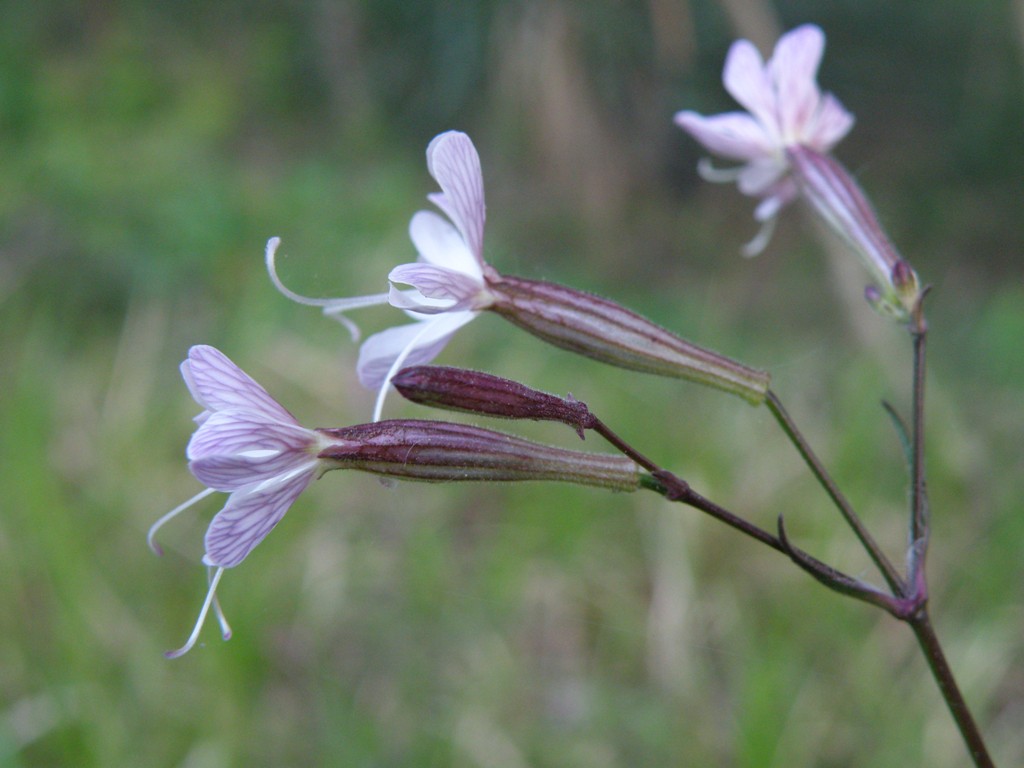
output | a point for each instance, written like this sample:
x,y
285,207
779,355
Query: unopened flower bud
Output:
x,y
413,449
603,330
458,389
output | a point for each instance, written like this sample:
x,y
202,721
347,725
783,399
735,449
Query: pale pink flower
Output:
x,y
785,108
446,285
247,445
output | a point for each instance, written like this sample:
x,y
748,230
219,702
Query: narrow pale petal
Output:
x,y
794,69
735,135
436,283
235,431
746,79
216,383
831,123
250,515
420,342
228,474
440,244
453,161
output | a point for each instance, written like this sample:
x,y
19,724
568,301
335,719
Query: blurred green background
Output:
x,y
147,151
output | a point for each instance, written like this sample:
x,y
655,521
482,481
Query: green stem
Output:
x,y
919,531
785,421
918,493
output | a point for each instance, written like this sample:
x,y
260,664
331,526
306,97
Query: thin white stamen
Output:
x,y
378,408
708,172
331,307
225,628
761,239
210,596
150,537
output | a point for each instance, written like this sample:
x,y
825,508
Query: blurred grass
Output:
x,y
145,157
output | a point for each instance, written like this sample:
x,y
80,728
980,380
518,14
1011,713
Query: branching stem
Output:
x,y
785,421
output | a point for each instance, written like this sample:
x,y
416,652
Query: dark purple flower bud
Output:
x,y
413,449
603,330
458,389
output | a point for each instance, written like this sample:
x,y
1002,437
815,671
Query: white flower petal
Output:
x,y
421,341
440,244
232,473
217,383
746,79
235,431
250,515
735,135
453,161
794,69
831,123
415,304
435,283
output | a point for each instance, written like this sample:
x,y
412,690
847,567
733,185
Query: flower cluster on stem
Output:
x,y
249,446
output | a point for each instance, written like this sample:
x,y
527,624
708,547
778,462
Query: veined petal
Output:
x,y
453,161
420,342
734,135
416,305
232,473
435,283
217,383
440,244
794,69
250,515
233,432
